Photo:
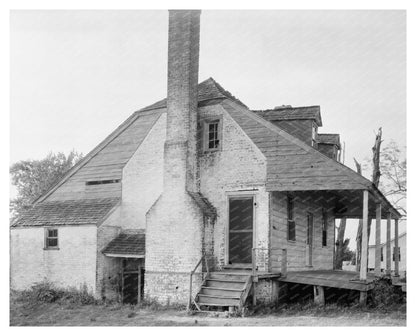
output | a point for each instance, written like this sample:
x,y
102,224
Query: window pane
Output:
x,y
291,230
52,242
213,138
53,233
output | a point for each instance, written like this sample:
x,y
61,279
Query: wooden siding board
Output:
x,y
107,160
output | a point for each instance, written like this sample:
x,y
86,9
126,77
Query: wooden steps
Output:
x,y
227,288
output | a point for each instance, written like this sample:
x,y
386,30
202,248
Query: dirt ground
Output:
x,y
99,315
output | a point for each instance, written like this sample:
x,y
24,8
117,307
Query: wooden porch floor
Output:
x,y
331,278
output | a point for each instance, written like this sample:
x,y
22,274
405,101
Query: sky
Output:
x,y
76,75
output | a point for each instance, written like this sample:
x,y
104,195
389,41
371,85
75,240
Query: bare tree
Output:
x,y
376,180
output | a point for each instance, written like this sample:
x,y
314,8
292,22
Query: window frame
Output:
x,y
205,133
291,224
47,245
324,228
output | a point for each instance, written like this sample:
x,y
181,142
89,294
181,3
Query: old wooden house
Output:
x,y
197,199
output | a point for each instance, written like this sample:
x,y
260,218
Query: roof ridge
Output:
x,y
287,108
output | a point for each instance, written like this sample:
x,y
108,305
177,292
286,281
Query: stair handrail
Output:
x,y
191,297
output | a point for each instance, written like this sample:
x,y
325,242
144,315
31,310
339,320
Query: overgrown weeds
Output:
x,y
386,296
46,292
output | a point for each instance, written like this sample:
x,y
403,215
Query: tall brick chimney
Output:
x,y
174,224
183,65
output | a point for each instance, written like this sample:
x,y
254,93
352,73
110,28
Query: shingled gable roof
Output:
x,y
326,138
141,122
208,90
70,212
292,164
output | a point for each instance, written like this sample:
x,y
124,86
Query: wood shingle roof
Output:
x,y
128,242
292,113
71,212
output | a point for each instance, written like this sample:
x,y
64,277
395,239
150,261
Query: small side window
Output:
x,y
324,228
51,239
212,135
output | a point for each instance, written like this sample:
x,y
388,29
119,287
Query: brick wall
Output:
x,y
174,234
297,250
239,166
143,178
73,265
108,269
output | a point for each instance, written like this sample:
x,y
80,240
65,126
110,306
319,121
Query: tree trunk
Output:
x,y
340,244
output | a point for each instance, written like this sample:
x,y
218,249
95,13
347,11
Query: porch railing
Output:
x,y
191,296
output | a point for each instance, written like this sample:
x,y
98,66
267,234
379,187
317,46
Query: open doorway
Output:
x,y
132,282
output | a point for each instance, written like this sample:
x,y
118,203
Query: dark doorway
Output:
x,y
132,280
240,238
130,288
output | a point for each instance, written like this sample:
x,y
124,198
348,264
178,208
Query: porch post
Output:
x,y
364,239
388,245
377,266
396,247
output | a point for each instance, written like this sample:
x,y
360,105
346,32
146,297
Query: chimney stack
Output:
x,y
175,223
183,64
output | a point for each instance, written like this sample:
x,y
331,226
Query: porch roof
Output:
x,y
347,203
129,243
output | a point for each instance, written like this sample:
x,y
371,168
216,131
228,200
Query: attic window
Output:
x,y
102,182
212,129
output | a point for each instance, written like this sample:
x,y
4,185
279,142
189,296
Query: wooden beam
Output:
x,y
388,245
396,247
364,239
319,295
363,298
377,266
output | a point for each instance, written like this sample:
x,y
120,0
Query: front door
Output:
x,y
240,237
309,240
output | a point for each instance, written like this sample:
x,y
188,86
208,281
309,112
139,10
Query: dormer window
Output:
x,y
212,129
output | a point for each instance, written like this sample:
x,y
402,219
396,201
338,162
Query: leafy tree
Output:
x,y
33,178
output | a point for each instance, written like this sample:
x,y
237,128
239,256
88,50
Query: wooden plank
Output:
x,y
319,295
364,240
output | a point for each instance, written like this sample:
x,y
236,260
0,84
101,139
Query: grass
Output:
x,y
24,312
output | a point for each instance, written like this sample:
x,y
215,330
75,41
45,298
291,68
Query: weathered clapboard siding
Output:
x,y
291,163
107,163
297,250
